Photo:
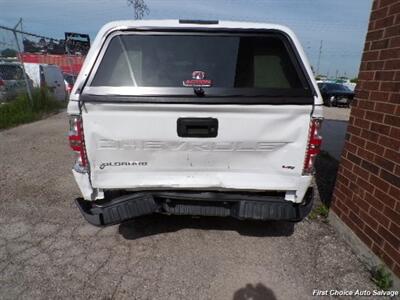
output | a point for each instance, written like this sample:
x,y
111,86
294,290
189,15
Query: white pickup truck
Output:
x,y
206,118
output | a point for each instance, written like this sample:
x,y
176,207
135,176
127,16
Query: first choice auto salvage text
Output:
x,y
393,293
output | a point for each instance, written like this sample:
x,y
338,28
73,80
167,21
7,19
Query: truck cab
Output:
x,y
207,118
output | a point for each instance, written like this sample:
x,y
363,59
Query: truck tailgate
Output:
x,y
137,146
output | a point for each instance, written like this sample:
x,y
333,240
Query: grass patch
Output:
x,y
20,111
382,278
319,211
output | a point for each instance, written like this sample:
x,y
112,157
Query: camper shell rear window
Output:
x,y
135,65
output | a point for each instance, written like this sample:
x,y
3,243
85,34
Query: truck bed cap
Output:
x,y
175,25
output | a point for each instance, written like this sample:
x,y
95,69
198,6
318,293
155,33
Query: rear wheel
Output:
x,y
327,102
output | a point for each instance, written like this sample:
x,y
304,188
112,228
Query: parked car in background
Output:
x,y
346,82
335,94
69,80
50,76
12,80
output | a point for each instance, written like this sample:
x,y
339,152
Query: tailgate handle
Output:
x,y
197,127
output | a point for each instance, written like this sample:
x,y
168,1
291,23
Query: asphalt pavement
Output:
x,y
334,130
48,251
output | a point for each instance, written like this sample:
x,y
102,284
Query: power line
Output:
x,y
28,33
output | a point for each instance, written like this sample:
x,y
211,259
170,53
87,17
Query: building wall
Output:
x,y
367,191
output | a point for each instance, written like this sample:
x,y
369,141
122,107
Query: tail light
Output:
x,y
77,143
2,83
314,146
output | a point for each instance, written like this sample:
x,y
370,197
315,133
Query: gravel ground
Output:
x,y
48,251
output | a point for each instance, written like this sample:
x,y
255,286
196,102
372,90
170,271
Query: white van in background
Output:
x,y
47,75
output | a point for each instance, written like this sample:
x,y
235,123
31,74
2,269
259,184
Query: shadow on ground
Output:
x,y
334,136
158,224
258,292
326,168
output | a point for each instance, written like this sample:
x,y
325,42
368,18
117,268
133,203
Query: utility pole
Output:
x,y
319,57
28,87
19,24
22,29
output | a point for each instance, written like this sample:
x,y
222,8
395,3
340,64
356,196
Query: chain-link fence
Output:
x,y
31,61
13,77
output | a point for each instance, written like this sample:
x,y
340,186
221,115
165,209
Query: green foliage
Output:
x,y
319,211
140,8
382,278
20,110
9,53
354,80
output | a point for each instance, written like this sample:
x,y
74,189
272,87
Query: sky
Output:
x,y
341,25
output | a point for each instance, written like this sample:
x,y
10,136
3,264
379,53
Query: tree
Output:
x,y
140,8
9,53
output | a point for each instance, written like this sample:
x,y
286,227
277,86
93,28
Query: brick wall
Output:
x,y
367,190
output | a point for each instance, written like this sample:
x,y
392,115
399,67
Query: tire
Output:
x,y
327,103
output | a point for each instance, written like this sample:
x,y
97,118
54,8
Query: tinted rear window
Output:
x,y
11,72
335,87
70,79
233,63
